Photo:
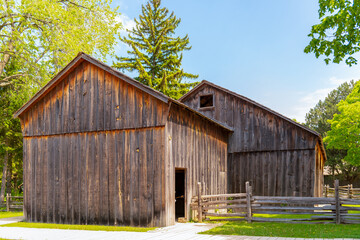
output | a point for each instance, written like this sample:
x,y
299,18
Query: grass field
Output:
x,y
77,227
287,230
10,214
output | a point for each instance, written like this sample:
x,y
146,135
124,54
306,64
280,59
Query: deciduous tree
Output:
x,y
345,127
318,119
37,38
337,36
43,35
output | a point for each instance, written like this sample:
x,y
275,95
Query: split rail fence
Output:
x,y
246,207
346,191
12,203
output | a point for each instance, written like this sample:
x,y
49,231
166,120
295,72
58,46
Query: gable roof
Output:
x,y
85,57
204,83
74,63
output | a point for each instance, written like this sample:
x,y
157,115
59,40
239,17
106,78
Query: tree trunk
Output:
x,y
3,182
9,175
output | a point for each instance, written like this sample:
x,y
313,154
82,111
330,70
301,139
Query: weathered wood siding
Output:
x,y
199,147
104,177
276,173
91,99
319,177
261,143
94,153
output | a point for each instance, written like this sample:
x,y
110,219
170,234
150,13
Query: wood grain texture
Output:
x,y
98,173
94,152
200,148
90,99
277,156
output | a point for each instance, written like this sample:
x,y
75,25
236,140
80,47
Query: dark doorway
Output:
x,y
179,193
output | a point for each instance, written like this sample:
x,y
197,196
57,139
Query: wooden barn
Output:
x,y
102,148
279,157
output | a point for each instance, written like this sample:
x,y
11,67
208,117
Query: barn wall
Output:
x,y
276,173
319,174
198,146
90,99
109,177
89,125
261,136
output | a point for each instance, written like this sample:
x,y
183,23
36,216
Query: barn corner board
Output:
x,y
102,148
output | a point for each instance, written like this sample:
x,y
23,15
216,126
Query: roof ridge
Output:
x,y
73,63
203,82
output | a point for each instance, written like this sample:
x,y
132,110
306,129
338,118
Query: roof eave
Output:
x,y
75,62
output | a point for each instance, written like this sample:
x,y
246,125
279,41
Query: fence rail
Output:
x,y
346,191
12,203
245,207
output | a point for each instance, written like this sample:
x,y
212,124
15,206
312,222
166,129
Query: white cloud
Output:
x,y
309,100
126,22
338,81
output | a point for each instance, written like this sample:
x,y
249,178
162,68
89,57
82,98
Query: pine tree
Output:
x,y
155,53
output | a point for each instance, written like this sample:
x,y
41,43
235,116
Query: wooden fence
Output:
x,y
346,191
245,207
12,203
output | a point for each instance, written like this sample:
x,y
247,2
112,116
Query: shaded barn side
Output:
x,y
200,149
277,155
94,152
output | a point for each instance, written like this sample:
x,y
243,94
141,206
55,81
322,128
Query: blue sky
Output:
x,y
254,48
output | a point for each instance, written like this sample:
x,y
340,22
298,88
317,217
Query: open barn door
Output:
x,y
180,188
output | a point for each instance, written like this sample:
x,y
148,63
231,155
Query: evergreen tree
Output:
x,y
155,52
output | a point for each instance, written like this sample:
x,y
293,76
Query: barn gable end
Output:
x,y
91,99
94,152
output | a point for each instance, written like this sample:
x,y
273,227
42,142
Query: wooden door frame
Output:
x,y
185,190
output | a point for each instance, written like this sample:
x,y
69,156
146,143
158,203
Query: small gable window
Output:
x,y
207,101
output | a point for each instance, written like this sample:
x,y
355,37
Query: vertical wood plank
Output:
x,y
101,98
107,102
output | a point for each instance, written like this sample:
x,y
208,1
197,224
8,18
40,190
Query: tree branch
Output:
x,y
6,81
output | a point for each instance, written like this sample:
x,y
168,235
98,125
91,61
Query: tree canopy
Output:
x,y
318,119
156,54
43,35
345,127
37,39
337,36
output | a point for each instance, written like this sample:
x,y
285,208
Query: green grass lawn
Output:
x,y
10,214
287,230
77,227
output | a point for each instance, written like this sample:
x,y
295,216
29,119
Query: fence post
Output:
x,y
337,202
7,202
248,201
326,191
348,191
351,191
199,203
